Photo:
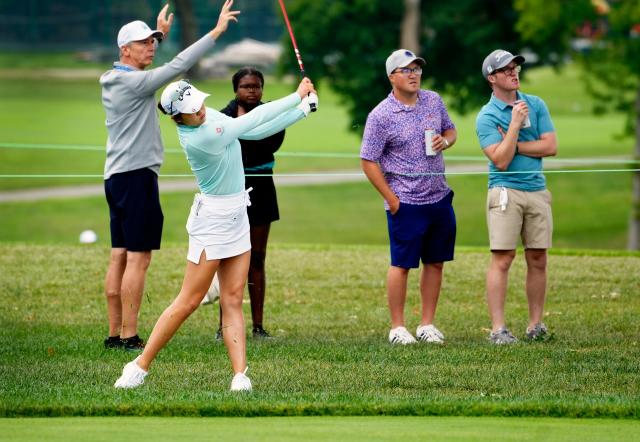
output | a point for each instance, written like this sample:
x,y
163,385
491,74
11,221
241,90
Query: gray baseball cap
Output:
x,y
499,59
402,58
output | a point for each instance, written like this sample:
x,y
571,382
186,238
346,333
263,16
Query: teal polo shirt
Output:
x,y
498,113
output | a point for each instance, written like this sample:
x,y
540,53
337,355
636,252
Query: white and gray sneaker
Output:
x,y
241,381
537,333
132,375
502,336
401,335
429,333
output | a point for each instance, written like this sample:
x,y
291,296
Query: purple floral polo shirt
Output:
x,y
394,138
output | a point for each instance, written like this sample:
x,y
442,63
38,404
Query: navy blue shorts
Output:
x,y
422,232
134,208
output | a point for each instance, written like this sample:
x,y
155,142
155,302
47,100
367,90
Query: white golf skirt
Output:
x,y
219,225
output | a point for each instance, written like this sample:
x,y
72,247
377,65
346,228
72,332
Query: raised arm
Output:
x,y
274,126
150,81
164,22
243,126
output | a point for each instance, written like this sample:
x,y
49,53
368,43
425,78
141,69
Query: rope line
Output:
x,y
96,148
337,174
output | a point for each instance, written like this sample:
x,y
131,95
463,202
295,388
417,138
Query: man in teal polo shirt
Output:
x,y
515,132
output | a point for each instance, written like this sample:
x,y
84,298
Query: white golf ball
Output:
x,y
88,237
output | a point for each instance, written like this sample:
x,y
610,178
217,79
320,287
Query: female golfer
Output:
x,y
258,161
218,225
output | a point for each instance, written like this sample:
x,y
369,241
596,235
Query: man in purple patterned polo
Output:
x,y
401,154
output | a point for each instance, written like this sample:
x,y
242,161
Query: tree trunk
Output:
x,y
410,27
634,222
188,31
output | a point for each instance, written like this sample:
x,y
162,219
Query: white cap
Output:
x,y
136,31
181,97
402,58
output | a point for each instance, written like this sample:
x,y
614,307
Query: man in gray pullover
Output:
x,y
134,156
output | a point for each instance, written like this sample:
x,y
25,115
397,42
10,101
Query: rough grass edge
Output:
x,y
463,409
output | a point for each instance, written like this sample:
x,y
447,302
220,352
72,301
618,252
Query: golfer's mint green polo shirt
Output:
x,y
213,149
498,113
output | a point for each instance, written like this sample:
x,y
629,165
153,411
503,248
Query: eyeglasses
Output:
x,y
509,71
407,71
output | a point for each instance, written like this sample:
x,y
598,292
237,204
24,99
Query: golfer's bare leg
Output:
x,y
536,283
112,287
397,294
132,289
430,283
233,277
497,278
197,279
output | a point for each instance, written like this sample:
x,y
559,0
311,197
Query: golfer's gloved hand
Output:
x,y
305,104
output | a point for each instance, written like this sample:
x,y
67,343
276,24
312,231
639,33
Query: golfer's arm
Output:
x,y
546,146
274,126
373,172
238,127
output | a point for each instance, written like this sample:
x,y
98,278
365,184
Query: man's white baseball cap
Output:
x,y
136,31
402,58
181,97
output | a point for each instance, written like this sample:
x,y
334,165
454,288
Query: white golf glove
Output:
x,y
305,104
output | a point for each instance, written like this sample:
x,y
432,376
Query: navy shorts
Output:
x,y
264,201
134,208
422,232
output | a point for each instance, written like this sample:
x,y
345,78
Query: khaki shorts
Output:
x,y
526,215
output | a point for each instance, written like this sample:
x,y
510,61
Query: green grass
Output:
x,y
354,429
591,211
326,305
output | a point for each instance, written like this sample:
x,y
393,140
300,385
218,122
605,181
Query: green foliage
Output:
x,y
611,58
549,26
327,308
457,36
347,43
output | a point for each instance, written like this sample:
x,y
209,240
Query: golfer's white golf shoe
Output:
x,y
132,376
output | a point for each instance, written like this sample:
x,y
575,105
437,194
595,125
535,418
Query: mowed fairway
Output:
x,y
326,306
353,429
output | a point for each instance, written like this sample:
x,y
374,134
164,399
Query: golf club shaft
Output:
x,y
295,45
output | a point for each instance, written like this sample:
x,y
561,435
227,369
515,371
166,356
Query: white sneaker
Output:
x,y
213,294
241,381
429,333
401,335
132,375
